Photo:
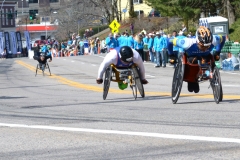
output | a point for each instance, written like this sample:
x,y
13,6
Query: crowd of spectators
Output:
x,y
151,45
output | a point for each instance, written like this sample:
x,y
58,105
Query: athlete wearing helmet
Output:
x,y
123,56
42,59
197,47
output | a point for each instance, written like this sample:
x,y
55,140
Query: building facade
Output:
x,y
140,8
7,15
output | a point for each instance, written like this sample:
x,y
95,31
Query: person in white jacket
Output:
x,y
123,56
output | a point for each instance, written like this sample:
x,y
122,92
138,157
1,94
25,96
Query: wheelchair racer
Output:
x,y
196,48
122,57
42,59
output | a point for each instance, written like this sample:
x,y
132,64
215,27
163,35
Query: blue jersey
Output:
x,y
189,45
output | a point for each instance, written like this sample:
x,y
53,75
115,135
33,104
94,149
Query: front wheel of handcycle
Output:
x,y
48,68
216,85
177,81
106,81
138,81
133,85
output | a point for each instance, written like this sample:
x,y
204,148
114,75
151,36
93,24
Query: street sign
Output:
x,y
124,10
114,25
115,30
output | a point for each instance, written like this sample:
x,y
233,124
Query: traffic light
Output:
x,y
32,15
10,15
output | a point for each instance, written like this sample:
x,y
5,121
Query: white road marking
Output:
x,y
83,63
150,76
93,65
72,61
129,133
229,72
64,59
100,56
231,85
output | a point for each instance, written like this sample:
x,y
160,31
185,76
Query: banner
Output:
x,y
1,42
28,40
19,42
7,43
13,42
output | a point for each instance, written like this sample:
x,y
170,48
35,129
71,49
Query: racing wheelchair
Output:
x,y
202,71
46,66
129,75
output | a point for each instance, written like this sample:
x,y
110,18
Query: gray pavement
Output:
x,y
63,116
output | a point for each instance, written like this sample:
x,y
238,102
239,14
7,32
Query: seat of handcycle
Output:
x,y
119,72
192,68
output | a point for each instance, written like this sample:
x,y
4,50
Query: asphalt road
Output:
x,y
63,116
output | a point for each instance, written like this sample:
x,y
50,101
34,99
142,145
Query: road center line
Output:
x,y
112,90
129,133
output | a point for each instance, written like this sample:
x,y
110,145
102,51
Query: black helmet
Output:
x,y
42,54
204,36
126,54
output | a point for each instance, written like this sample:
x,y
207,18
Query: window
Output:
x,y
154,13
45,19
13,17
33,1
6,17
137,1
139,13
3,17
54,1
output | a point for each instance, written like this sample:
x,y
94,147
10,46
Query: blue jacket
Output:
x,y
111,43
138,45
150,43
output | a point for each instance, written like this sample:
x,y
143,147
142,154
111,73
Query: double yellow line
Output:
x,y
100,89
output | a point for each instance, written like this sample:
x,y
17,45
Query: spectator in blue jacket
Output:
x,y
150,47
138,45
130,40
111,42
158,48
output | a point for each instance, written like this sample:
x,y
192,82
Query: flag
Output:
x,y
19,42
1,42
28,40
13,42
7,43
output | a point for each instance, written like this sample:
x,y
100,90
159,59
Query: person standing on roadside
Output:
x,y
131,28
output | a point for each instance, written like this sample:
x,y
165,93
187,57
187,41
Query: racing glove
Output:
x,y
216,56
172,59
99,81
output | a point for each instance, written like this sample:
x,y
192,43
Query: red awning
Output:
x,y
36,28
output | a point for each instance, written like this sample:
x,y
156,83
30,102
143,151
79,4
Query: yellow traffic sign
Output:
x,y
114,25
115,30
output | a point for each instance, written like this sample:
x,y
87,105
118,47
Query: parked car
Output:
x,y
39,42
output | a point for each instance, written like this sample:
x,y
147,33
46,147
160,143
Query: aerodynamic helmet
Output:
x,y
126,54
42,54
204,36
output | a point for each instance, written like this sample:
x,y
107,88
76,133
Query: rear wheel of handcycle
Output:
x,y
177,80
43,70
221,93
216,85
138,81
48,68
133,85
36,70
106,81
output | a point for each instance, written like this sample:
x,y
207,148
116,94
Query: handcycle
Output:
x,y
46,66
200,72
129,75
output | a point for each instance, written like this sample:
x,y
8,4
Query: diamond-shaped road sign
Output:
x,y
114,25
115,30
